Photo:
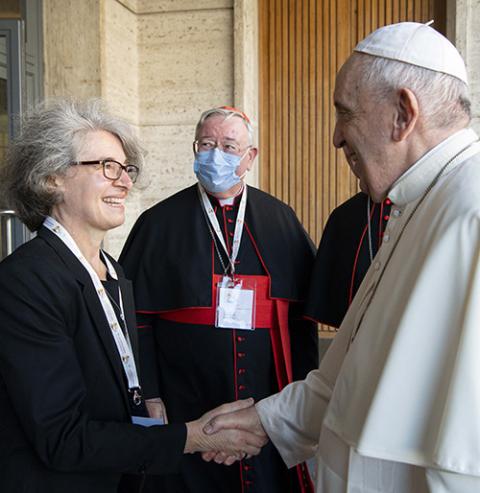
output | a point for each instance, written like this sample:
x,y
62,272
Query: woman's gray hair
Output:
x,y
50,138
444,99
227,112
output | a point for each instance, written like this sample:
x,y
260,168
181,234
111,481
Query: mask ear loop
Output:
x,y
243,155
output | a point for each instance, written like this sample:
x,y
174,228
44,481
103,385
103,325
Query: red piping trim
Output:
x,y
235,381
380,226
257,250
311,319
282,314
357,254
225,232
240,465
278,353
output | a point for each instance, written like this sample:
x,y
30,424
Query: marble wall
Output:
x,y
72,48
119,59
462,30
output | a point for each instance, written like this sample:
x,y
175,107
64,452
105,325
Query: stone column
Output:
x,y
463,31
71,34
245,28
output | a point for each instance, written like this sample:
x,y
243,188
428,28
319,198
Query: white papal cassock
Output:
x,y
395,404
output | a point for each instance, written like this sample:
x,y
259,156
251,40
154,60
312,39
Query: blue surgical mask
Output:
x,y
215,170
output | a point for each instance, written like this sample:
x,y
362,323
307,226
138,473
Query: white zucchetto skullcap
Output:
x,y
416,44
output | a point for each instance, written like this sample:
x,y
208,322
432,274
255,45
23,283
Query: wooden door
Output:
x,y
302,45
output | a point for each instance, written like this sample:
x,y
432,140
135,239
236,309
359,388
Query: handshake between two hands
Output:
x,y
228,433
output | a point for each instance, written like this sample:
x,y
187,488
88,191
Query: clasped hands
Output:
x,y
227,433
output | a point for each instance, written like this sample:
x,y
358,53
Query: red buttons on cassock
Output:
x,y
386,218
241,371
230,234
388,201
241,355
247,467
248,482
230,220
240,338
241,387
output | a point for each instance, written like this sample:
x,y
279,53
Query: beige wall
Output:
x,y
463,30
72,48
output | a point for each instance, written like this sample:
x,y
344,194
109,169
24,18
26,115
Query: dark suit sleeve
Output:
x,y
44,380
148,356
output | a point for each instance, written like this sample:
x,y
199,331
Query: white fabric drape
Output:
x,y
398,409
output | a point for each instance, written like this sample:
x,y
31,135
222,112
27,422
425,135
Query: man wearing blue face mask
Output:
x,y
220,272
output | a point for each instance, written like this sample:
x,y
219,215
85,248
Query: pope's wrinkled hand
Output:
x,y
232,443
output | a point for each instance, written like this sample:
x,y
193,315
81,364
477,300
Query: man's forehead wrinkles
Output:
x,y
225,133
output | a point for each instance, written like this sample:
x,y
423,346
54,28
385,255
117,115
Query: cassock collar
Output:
x,y
415,181
216,202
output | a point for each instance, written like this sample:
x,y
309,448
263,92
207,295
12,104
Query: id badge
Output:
x,y
235,305
144,421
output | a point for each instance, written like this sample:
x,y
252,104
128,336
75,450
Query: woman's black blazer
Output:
x,y
65,424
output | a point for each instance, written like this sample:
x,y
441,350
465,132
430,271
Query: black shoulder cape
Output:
x,y
343,258
176,229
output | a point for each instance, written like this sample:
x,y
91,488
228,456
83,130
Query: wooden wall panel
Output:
x,y
302,45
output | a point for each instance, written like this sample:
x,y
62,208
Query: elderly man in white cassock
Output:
x,y
395,404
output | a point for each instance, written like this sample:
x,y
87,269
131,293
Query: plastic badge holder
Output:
x,y
235,304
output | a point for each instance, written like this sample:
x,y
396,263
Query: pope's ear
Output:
x,y
406,114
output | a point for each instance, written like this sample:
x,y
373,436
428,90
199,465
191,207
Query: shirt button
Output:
x,y
397,212
377,265
386,238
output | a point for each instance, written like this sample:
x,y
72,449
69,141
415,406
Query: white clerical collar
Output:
x,y
414,182
231,200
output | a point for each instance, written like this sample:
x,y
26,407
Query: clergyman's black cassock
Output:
x,y
343,257
170,257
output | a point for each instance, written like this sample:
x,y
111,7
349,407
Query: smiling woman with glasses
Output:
x,y
71,404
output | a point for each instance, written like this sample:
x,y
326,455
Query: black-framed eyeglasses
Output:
x,y
112,170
